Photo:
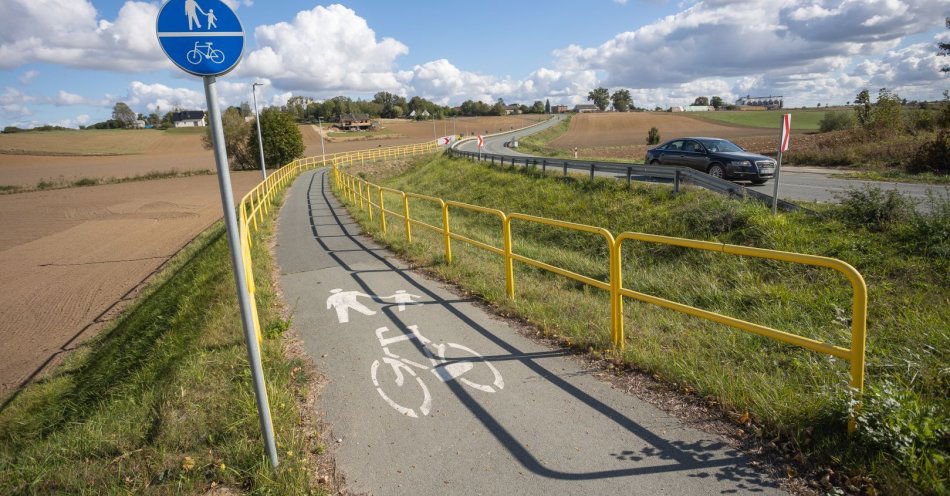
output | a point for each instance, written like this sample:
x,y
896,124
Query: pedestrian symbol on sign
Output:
x,y
205,39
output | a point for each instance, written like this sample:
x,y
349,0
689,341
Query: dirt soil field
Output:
x,y
630,128
153,151
71,259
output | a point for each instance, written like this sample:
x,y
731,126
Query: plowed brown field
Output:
x,y
631,128
70,259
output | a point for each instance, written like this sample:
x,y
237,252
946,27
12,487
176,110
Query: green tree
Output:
x,y
246,109
622,100
537,108
886,115
716,102
862,108
701,101
600,97
282,139
945,48
236,134
123,114
547,106
499,107
154,120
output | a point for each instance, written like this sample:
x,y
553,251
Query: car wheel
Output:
x,y
716,170
759,181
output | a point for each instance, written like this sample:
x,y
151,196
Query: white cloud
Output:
x,y
13,105
64,98
324,49
70,32
82,119
790,45
28,76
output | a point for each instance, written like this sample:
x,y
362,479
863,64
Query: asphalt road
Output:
x,y
797,183
439,397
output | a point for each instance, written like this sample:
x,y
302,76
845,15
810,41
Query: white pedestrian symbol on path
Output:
x,y
190,7
402,298
342,302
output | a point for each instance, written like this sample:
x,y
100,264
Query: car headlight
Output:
x,y
740,163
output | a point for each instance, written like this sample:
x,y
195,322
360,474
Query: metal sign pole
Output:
x,y
237,261
322,149
260,141
778,168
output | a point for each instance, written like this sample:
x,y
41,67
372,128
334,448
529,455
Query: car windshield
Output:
x,y
718,145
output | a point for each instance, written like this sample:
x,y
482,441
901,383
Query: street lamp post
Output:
x,y
322,149
260,141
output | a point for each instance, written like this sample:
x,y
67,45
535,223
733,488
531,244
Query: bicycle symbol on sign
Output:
x,y
201,52
443,367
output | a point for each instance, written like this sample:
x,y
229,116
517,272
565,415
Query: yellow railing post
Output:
x,y
369,201
509,262
359,184
382,210
859,323
616,299
405,213
446,232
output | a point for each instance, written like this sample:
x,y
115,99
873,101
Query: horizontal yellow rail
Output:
x,y
352,188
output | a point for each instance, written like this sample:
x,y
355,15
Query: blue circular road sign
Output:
x,y
202,37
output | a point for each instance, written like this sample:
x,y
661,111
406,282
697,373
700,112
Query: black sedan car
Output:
x,y
715,156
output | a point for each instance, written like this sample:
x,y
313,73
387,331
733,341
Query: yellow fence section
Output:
x,y
259,200
370,198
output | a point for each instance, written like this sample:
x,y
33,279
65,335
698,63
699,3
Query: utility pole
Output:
x,y
260,142
322,149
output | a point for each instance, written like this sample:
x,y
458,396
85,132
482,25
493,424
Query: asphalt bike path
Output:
x,y
428,393
797,183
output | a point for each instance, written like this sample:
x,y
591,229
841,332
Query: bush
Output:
x,y
282,139
653,137
921,120
835,121
929,231
932,156
894,421
874,208
236,132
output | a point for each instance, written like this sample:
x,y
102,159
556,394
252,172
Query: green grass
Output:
x,y
361,134
802,120
185,130
45,184
792,393
161,402
897,176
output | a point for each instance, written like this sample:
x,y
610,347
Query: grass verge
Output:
x,y
896,176
46,185
161,402
786,395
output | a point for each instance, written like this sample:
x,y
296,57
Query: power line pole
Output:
x,y
260,141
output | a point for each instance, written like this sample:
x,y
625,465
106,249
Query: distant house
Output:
x,y
355,122
675,108
697,108
770,102
189,118
585,108
512,109
139,124
558,109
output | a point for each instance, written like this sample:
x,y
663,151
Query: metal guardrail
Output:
x,y
677,175
358,193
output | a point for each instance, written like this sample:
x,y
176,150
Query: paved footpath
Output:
x,y
429,394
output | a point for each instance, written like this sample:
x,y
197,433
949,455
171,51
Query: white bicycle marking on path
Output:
x,y
446,369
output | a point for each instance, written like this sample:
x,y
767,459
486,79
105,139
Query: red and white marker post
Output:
x,y
782,147
481,142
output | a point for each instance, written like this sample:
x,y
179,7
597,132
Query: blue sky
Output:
x,y
71,67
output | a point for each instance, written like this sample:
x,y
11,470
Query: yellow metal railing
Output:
x,y
359,193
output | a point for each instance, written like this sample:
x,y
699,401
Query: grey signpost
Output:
x,y
208,54
260,141
322,149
